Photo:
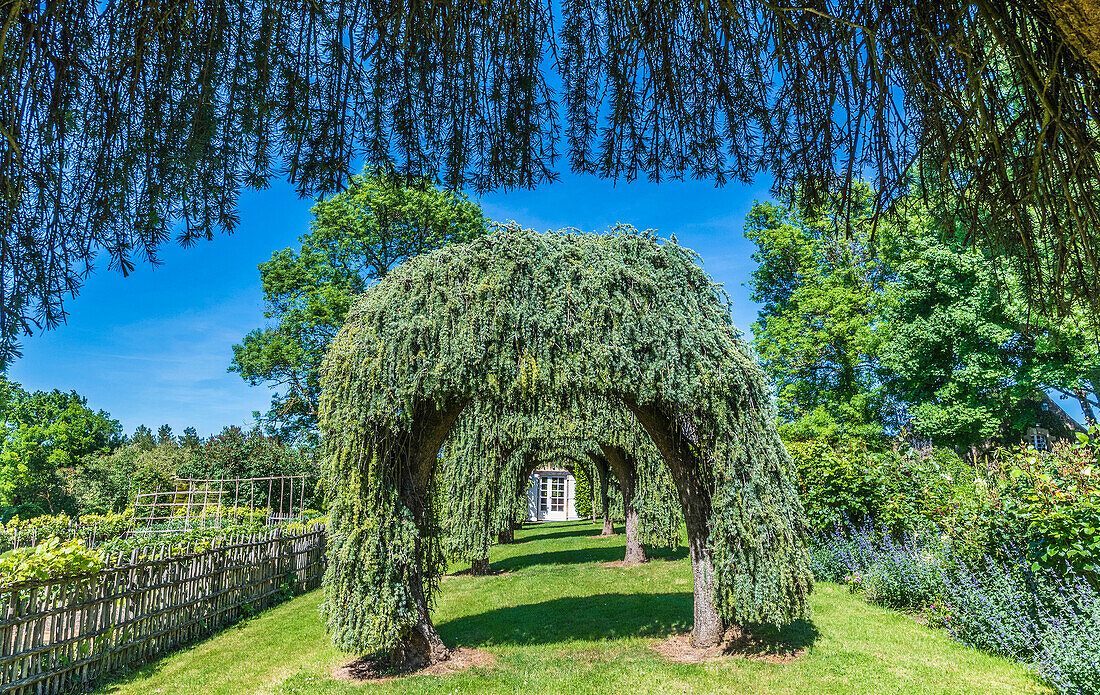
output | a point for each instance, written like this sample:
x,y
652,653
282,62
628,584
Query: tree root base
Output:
x,y
767,647
377,668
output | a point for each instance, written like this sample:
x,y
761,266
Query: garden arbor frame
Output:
x,y
536,325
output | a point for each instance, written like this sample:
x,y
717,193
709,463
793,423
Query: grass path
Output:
x,y
559,622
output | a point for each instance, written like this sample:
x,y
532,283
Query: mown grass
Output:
x,y
559,622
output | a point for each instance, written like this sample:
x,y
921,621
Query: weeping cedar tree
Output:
x,y
546,325
121,122
475,510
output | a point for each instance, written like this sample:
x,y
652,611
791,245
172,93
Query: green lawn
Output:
x,y
558,622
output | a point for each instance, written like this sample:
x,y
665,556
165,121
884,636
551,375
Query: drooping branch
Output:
x,y
125,124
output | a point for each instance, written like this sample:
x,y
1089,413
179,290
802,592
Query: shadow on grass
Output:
x,y
531,533
602,617
581,555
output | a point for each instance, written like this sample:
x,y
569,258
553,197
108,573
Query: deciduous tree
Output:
x,y
356,237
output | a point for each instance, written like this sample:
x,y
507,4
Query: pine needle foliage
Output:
x,y
123,123
521,327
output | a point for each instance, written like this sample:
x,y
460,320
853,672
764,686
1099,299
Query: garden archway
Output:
x,y
522,327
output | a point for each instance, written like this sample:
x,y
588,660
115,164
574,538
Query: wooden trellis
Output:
x,y
202,501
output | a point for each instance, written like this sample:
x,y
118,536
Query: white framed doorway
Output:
x,y
553,498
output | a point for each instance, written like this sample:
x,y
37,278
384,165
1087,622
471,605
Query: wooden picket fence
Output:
x,y
62,635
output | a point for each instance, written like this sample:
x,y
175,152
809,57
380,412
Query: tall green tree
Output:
x,y
950,348
923,331
190,438
42,434
143,438
356,237
819,285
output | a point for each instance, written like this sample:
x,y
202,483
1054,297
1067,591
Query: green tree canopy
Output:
x,y
43,433
818,286
119,121
519,324
356,237
929,334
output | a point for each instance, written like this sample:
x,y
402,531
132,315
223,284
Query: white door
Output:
x,y
552,498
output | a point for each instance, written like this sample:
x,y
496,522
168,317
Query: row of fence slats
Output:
x,y
62,635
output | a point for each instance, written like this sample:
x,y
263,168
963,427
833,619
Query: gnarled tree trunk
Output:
x,y
1079,22
420,645
508,535
695,501
627,473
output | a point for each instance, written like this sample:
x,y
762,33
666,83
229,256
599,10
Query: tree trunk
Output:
x,y
1079,22
480,566
506,536
695,501
605,499
709,627
420,644
626,472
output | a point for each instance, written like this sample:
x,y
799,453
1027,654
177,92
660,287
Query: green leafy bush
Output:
x,y
859,482
1049,503
583,491
51,559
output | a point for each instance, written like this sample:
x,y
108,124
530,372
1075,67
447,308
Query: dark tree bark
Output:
x,y
480,566
605,500
695,501
420,645
508,535
627,473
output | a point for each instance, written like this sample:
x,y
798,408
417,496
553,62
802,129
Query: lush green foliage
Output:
x,y
815,332
50,559
108,483
858,482
582,501
1049,506
356,237
914,330
87,527
41,434
952,350
64,550
1024,505
537,326
235,453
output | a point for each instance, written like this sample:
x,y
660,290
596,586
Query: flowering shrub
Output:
x,y
905,490
894,573
1047,618
1051,503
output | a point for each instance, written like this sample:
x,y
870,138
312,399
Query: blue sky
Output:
x,y
153,348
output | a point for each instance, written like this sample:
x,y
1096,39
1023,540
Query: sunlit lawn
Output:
x,y
559,622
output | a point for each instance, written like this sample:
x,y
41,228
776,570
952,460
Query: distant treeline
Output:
x,y
58,455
